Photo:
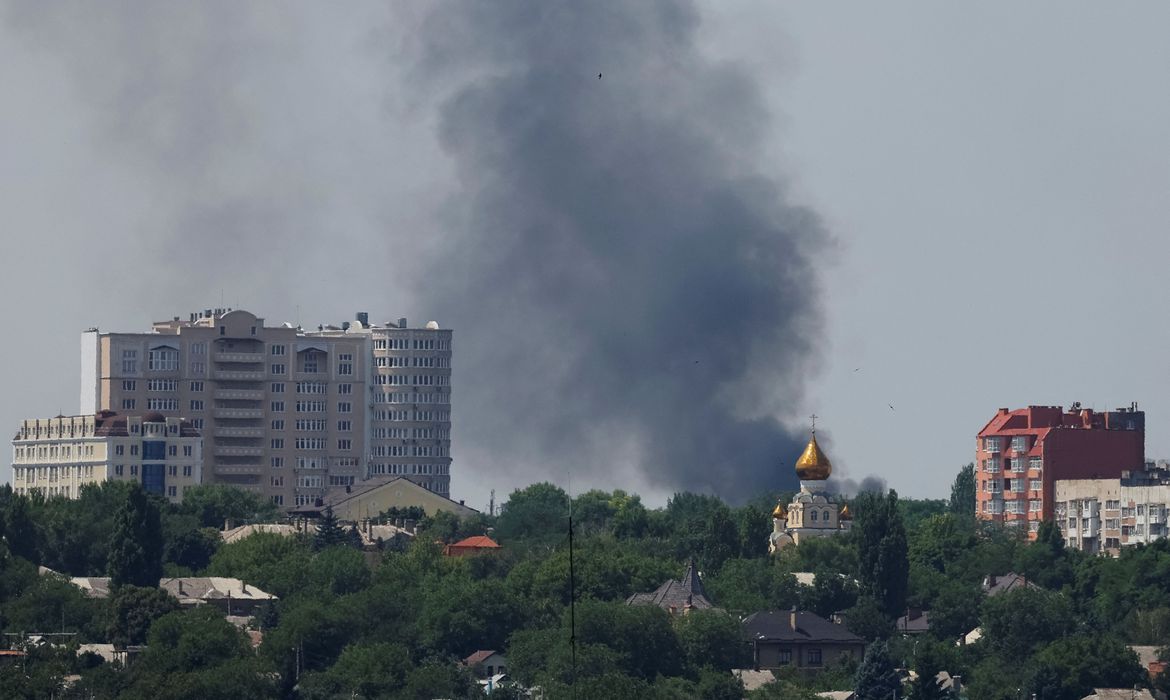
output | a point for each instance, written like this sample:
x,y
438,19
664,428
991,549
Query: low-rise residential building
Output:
x,y
801,640
366,500
676,596
471,546
1101,516
230,595
487,663
57,456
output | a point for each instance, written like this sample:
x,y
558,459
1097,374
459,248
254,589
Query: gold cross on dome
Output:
x,y
813,417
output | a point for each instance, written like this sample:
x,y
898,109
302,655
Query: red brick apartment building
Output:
x,y
1021,454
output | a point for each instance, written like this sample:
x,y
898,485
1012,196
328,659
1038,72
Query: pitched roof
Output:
x,y
478,657
477,542
777,626
338,495
1119,694
994,585
676,594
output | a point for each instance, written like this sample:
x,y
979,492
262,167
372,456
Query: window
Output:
x,y
173,470
345,444
1035,463
278,424
129,385
345,364
134,449
119,449
310,363
276,462
310,443
344,426
278,481
118,469
163,359
311,388
345,389
129,361
310,406
162,404
197,423
277,388
277,443
187,470
277,350
133,470
173,451
1034,506
1017,464
814,516
277,406
196,405
128,404
1112,505
168,385
278,500
814,657
1035,485
198,368
198,349
1020,443
344,407
196,386
277,368
991,444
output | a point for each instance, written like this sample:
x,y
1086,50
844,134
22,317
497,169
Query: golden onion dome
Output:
x,y
779,513
813,465
845,514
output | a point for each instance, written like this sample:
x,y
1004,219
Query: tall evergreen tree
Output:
x,y
136,545
329,531
963,492
876,678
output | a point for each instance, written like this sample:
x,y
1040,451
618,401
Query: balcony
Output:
x,y
240,394
231,375
239,432
239,469
238,357
238,413
239,451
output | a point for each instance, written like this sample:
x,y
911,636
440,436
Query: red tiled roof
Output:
x,y
478,541
478,657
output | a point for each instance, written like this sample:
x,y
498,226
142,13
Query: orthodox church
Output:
x,y
812,512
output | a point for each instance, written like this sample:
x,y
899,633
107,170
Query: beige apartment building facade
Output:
x,y
1101,516
57,456
284,412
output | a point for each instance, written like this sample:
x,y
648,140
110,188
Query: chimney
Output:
x,y
792,618
180,582
402,323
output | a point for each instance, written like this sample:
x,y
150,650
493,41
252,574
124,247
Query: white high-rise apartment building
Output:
x,y
285,412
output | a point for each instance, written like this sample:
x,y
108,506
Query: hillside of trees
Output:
x,y
394,623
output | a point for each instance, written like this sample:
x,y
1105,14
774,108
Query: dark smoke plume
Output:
x,y
630,292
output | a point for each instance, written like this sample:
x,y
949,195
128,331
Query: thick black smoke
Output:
x,y
630,292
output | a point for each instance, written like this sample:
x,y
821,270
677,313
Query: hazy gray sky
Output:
x,y
992,181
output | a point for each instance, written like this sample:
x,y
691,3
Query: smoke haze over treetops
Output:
x,y
634,296
633,293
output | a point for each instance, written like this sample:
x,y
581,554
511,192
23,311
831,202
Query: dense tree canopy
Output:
x,y
392,624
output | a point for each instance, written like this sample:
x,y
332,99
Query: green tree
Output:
x,y
1018,623
883,561
867,620
539,512
1070,668
330,533
19,530
753,525
962,501
877,679
275,563
193,549
928,662
711,638
136,545
215,504
362,671
134,609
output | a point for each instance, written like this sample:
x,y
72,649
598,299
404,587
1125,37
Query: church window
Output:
x,y
814,516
